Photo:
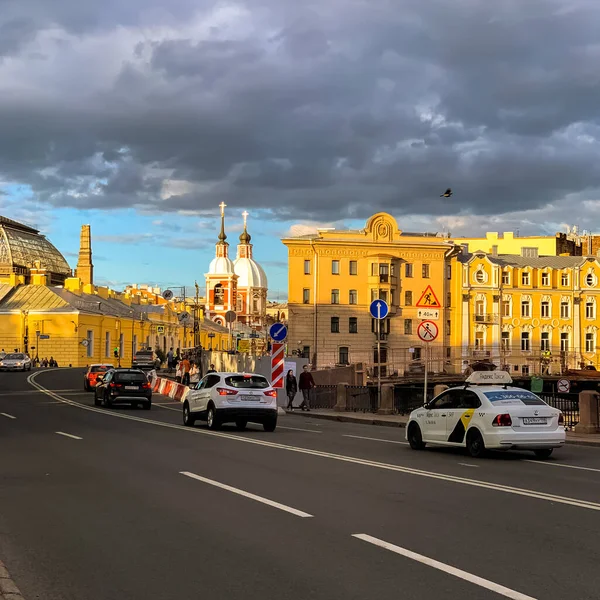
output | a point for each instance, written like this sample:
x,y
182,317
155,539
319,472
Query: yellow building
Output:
x,y
526,313
334,275
48,313
528,246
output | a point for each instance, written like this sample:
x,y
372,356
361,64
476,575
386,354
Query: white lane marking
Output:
x,y
469,465
167,407
73,437
8,416
436,564
298,429
362,437
342,458
554,464
223,486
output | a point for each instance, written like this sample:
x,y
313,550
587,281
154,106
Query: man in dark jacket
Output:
x,y
305,384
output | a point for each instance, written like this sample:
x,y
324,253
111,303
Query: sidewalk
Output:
x,y
401,420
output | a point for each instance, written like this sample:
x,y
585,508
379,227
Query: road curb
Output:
x,y
349,419
8,588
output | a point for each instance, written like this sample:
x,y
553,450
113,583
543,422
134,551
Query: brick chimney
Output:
x,y
85,268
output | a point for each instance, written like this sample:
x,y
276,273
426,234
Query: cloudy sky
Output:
x,y
140,117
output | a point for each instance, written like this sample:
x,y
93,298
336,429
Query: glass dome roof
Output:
x,y
21,246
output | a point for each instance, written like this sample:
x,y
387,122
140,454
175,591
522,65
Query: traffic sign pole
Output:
x,y
379,363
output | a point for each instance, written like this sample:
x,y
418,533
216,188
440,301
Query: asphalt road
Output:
x,y
100,504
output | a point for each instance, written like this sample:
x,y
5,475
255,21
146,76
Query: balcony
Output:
x,y
384,279
486,318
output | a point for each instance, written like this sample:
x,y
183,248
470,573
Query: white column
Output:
x,y
496,327
466,325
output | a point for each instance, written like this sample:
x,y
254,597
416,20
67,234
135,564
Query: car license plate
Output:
x,y
132,387
535,421
248,398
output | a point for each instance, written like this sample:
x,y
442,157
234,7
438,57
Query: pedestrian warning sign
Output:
x,y
428,299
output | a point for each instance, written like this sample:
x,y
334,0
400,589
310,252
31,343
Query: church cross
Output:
x,y
245,215
222,207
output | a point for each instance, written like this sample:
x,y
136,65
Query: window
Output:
x,y
383,355
393,269
353,267
416,354
564,342
479,342
505,278
305,351
384,273
353,325
525,309
525,278
121,344
590,345
448,327
529,252
239,302
448,271
505,308
545,341
590,280
247,382
305,296
546,279
135,344
545,309
525,341
90,343
425,271
564,279
343,353
373,269
383,323
374,294
479,309
590,309
408,298
506,340
307,267
335,296
352,297
383,295
219,294
335,267
335,324
565,309
408,329
408,270
480,276
107,344
448,298
255,305
524,369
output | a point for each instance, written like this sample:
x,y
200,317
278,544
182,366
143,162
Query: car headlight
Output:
x,y
19,364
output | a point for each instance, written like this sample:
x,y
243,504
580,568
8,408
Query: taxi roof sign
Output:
x,y
489,378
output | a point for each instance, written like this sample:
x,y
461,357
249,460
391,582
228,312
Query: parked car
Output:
x,y
145,359
232,398
17,361
123,386
90,377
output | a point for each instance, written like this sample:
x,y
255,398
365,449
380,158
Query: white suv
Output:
x,y
232,398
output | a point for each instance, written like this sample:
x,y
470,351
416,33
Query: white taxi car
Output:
x,y
232,398
487,414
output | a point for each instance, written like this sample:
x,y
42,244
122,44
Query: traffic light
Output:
x,y
116,353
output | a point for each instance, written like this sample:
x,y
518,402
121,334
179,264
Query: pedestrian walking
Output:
x,y
185,370
306,384
170,360
291,388
212,369
194,375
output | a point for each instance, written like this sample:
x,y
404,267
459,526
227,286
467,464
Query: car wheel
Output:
x,y
107,403
270,425
211,418
86,386
415,438
241,424
543,454
475,444
188,419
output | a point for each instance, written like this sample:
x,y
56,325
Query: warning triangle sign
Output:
x,y
428,299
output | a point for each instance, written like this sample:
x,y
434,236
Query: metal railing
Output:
x,y
361,398
323,396
408,398
568,404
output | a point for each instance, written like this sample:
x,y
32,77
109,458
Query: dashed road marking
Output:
x,y
223,486
552,498
362,437
555,464
469,465
440,566
8,416
73,437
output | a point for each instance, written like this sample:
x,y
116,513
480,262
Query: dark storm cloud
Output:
x,y
315,110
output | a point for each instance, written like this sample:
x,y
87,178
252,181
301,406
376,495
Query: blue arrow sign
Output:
x,y
379,309
278,332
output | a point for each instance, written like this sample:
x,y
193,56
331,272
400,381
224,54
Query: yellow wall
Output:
x,y
507,243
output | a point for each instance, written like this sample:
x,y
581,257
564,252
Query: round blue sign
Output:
x,y
379,309
278,332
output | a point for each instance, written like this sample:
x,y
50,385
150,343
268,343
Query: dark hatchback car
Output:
x,y
124,386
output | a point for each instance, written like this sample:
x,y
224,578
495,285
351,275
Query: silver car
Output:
x,y
15,362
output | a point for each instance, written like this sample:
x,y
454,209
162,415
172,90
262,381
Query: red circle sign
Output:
x,y
427,331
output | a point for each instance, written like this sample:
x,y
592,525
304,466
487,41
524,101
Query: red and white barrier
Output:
x,y
277,364
172,389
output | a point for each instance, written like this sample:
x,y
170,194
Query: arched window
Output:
x,y
219,294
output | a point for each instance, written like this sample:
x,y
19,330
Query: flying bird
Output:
x,y
446,194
